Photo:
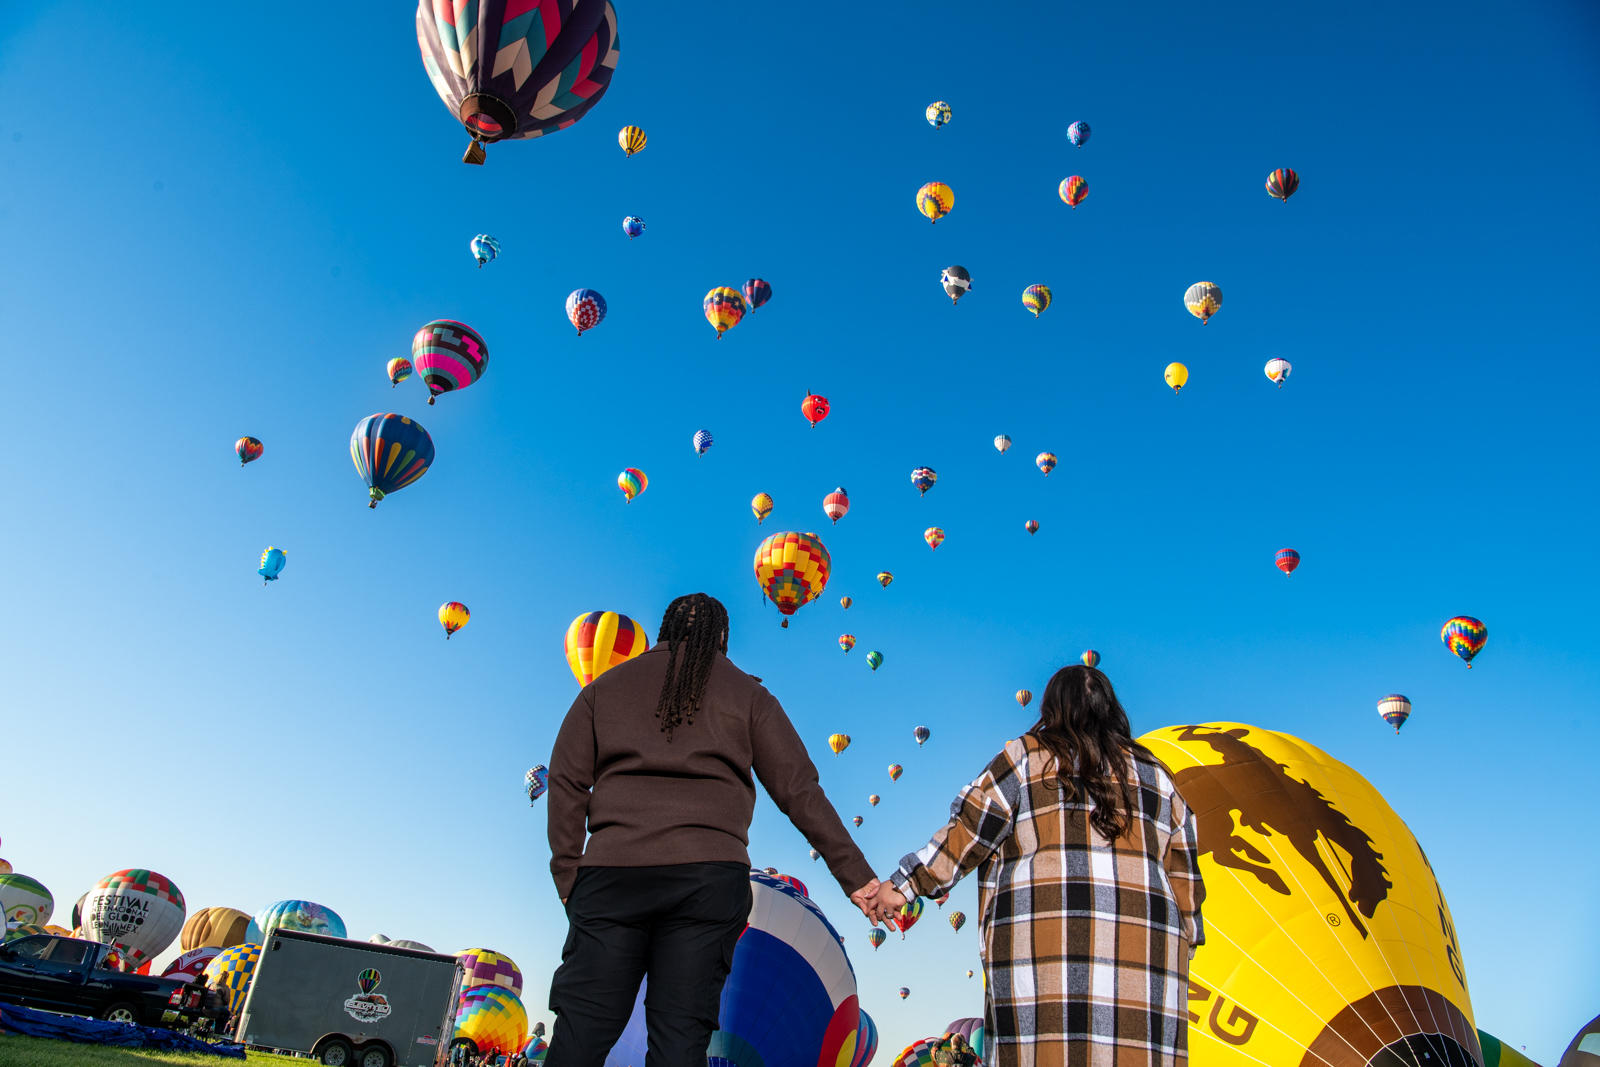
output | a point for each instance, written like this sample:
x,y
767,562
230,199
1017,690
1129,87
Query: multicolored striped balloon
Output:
x,y
1203,299
399,369
874,660
702,441
884,578
1281,185
724,309
1078,133
633,226
1090,658
248,449
390,452
934,536
1032,526
938,113
895,771
1036,298
935,200
792,569
484,249
596,641
1073,190
1395,709
847,642
453,616
1046,462
845,602
449,355
1465,636
632,481
1286,560
632,139
585,309
756,293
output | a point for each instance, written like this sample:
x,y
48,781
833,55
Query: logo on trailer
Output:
x,y
367,1006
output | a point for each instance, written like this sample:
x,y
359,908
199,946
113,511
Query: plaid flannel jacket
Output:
x,y
1086,942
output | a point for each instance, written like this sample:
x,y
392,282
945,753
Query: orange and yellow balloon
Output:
x,y
792,569
761,505
599,640
631,138
935,200
838,742
724,308
934,536
453,616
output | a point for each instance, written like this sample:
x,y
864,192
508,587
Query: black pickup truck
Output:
x,y
67,975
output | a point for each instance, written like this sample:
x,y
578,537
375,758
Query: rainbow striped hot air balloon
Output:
x,y
599,640
1282,183
724,308
449,355
847,642
1090,658
1465,636
1073,190
1036,298
792,570
632,481
935,200
390,452
1032,526
399,369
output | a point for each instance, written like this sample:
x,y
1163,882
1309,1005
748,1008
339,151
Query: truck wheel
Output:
x,y
121,1012
373,1056
335,1052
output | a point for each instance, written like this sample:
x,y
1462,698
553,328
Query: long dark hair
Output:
x,y
1083,725
695,628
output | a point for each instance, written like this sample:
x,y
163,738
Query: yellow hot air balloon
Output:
x,y
761,504
838,742
935,200
1203,299
599,640
845,602
453,616
884,578
218,928
1176,374
631,138
724,308
1328,939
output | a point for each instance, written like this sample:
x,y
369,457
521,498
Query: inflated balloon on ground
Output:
x,y
25,900
301,916
137,912
230,971
220,928
482,966
493,1019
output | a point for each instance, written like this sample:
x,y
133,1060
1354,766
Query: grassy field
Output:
x,y
44,1052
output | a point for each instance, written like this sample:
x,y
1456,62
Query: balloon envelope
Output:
x,y
272,563
398,370
192,964
756,292
792,569
924,478
724,308
702,441
1073,190
248,449
814,408
230,971
492,1018
632,482
1078,133
836,504
1282,183
1202,299
484,248
449,355
838,742
1036,298
1395,709
219,928
1278,370
599,640
935,200
25,900
631,139
390,452
633,226
136,911
1003,443
1090,658
536,782
1286,560
938,113
585,309
453,616
482,966
761,506
300,915
1176,375
1465,636
1046,462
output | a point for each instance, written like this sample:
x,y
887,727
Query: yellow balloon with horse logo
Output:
x,y
1328,939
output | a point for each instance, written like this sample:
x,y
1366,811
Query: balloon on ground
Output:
x,y
230,971
301,916
596,641
192,963
493,1019
219,928
482,966
138,912
25,900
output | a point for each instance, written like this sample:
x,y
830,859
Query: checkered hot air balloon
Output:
x,y
585,309
449,355
934,536
836,505
485,249
724,309
248,449
536,782
702,441
511,72
390,452
1465,636
1282,183
482,966
599,640
792,570
1203,299
756,292
1078,133
1036,298
1395,709
230,971
935,200
1073,190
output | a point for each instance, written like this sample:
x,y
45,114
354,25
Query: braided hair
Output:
x,y
698,625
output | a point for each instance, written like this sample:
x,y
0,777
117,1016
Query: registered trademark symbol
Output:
x,y
1333,920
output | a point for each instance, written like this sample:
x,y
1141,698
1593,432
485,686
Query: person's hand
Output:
x,y
886,902
862,897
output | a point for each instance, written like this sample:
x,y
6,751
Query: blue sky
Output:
x,y
227,225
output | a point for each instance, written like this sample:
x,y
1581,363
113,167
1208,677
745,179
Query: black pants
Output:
x,y
678,924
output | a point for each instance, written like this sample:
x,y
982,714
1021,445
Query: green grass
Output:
x,y
45,1052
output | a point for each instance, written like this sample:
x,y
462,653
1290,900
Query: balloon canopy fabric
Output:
x,y
874,660
756,292
220,928
1177,376
935,200
814,408
724,309
25,900
599,640
866,1032
877,937
958,919
1286,560
1032,526
1395,709
1278,370
482,966
299,915
449,355
585,309
138,912
921,734
493,1019
273,561
938,113
390,452
453,616
1203,299
633,226
845,602
1024,697
924,478
838,742
631,139
248,449
895,771
1078,133
910,911
398,369
514,71
1073,190
761,506
632,482
1282,183
836,505
934,536
702,442
847,642
1045,461
1090,658
792,569
884,578
873,799
191,964
230,971
1465,636
485,249
1036,298
1002,444
1328,938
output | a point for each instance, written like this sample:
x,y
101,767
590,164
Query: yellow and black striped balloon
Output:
x,y
632,139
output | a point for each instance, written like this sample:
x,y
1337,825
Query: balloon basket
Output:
x,y
475,154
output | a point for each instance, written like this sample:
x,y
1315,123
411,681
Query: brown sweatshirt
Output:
x,y
650,802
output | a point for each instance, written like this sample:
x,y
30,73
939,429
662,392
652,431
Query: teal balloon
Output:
x,y
874,660
299,915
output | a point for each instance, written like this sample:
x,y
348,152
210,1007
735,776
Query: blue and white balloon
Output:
x,y
702,441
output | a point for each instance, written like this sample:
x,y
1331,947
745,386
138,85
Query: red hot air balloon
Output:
x,y
836,504
814,408
1287,560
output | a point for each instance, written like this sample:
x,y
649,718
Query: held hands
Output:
x,y
884,904
862,897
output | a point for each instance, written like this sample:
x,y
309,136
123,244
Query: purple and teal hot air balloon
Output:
x,y
633,226
1465,636
449,355
510,72
585,309
390,452
1078,133
756,293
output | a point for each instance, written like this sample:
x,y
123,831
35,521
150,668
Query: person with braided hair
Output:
x,y
657,761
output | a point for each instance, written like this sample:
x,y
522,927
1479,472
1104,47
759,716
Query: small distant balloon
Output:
x,y
632,481
724,309
756,292
1282,183
877,937
1036,298
1032,526
906,916
884,578
399,370
632,139
847,642
838,742
1278,370
453,616
1203,299
921,734
1073,190
1024,697
958,919
845,602
1177,375
1465,636
934,536
1046,462
585,309
873,799
815,855
969,974
248,449
761,505
1002,443
535,782
1078,133
702,441
485,249
904,992
633,226
935,200
941,898
836,505
938,113
1090,658
895,771
956,281
1395,710
858,820
874,660
923,478
814,408
1286,560
272,561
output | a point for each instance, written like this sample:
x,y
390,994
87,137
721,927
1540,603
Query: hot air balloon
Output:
x,y
761,505
493,1019
390,452
586,309
1073,190
1176,375
191,964
958,919
1202,299
814,408
449,355
724,308
230,971
1278,370
935,200
453,616
792,569
908,914
632,139
838,742
873,799
1303,860
884,578
836,504
847,642
137,912
536,782
857,820
904,993
970,1030
1465,637
1036,298
508,75
5,866
16,930
969,974
923,478
934,536
815,855
867,1042
272,563
956,281
1024,697
702,441
941,898
845,602
1078,133
482,966
25,900
1286,560
1282,183
1032,526
599,640
938,113
877,937
484,249
874,660
1394,709
1090,658
399,369
921,734
633,226
1002,443
632,481
218,928
299,915
756,292
1046,462
248,449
